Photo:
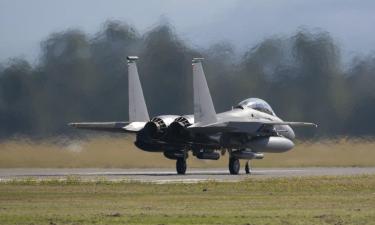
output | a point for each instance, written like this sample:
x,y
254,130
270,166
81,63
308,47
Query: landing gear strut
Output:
x,y
181,166
234,165
247,167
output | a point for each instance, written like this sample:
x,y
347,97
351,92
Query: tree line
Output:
x,y
81,77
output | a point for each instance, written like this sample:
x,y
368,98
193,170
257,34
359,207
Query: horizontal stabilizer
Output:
x,y
103,126
117,127
138,114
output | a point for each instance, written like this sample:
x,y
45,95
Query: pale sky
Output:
x,y
24,23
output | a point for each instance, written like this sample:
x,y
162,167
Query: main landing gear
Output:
x,y
247,167
181,166
234,166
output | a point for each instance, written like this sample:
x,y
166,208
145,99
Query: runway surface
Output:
x,y
158,175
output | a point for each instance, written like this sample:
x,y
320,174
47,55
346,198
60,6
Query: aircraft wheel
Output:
x,y
181,166
247,167
234,166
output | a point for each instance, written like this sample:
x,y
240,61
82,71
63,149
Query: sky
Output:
x,y
244,23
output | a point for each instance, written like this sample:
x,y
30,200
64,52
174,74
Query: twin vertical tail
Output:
x,y
204,111
137,105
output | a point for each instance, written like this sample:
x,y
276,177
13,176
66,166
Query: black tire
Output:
x,y
234,166
247,168
181,166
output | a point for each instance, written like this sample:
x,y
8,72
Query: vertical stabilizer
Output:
x,y
137,105
204,111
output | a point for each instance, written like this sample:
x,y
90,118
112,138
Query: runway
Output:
x,y
158,175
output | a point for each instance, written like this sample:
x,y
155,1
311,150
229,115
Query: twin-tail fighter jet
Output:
x,y
245,132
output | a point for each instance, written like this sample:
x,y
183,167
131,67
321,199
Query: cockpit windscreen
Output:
x,y
257,104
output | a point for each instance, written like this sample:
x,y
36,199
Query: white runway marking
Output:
x,y
158,175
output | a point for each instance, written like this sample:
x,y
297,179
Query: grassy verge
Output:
x,y
315,200
106,152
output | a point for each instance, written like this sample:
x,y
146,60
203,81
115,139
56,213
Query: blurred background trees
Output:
x,y
82,77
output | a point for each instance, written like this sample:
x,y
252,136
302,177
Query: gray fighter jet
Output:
x,y
245,132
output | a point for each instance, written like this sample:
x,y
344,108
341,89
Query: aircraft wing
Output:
x,y
117,127
255,127
293,124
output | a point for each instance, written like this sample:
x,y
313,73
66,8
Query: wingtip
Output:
x,y
72,124
131,58
196,60
311,124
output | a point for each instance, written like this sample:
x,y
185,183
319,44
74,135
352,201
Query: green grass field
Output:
x,y
309,200
120,152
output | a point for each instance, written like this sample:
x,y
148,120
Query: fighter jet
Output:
x,y
246,132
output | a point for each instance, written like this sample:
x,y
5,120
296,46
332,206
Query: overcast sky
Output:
x,y
24,23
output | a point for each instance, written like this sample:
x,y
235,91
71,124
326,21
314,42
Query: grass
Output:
x,y
119,152
308,200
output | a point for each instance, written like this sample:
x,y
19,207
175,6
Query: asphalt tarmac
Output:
x,y
158,175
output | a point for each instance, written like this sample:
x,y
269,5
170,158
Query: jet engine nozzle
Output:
x,y
177,127
177,131
151,129
158,125
186,120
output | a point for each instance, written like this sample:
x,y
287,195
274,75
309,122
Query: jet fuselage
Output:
x,y
280,139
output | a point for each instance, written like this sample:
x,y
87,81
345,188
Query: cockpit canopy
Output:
x,y
257,104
